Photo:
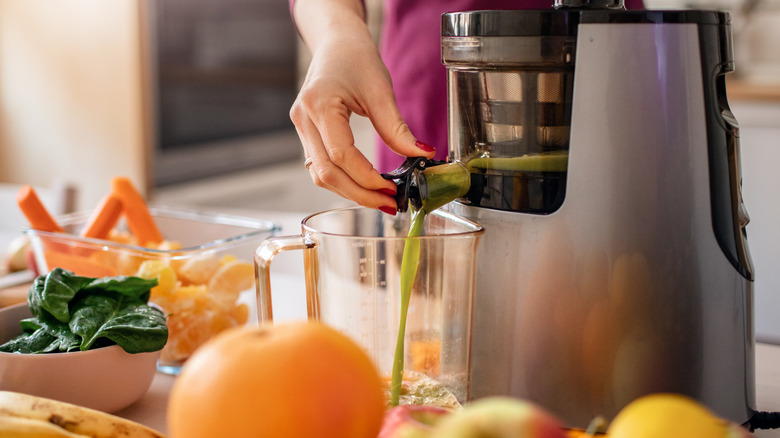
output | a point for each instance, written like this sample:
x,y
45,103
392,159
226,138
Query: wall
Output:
x,y
71,101
759,123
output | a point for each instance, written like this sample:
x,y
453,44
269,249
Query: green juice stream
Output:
x,y
409,265
443,184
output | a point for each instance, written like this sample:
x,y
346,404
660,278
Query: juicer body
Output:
x,y
640,280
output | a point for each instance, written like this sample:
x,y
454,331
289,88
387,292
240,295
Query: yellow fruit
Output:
x,y
227,258
23,415
127,263
198,270
230,280
666,416
184,298
194,317
189,329
166,279
240,313
290,380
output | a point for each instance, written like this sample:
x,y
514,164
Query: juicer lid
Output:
x,y
563,21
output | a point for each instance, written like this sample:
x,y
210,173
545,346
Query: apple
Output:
x,y
411,421
500,417
16,254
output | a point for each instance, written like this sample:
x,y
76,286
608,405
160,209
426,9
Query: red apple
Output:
x,y
500,417
31,263
411,421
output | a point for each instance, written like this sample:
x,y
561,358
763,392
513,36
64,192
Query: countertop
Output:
x,y
740,89
287,276
150,410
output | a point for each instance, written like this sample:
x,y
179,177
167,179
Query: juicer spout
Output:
x,y
406,183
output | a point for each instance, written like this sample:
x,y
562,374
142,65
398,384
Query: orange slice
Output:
x,y
198,270
230,280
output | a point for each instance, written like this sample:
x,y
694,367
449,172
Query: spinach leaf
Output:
x,y
71,312
134,289
44,339
53,292
137,328
30,324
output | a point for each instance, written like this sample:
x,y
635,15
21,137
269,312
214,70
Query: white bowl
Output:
x,y
107,379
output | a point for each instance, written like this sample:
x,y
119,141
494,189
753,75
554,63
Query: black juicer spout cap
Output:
x,y
406,183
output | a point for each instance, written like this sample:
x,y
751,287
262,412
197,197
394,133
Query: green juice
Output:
x,y
409,265
557,161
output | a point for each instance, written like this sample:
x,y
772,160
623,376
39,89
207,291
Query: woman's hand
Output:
x,y
346,76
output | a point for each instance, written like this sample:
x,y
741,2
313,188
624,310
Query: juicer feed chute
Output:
x,y
604,166
510,96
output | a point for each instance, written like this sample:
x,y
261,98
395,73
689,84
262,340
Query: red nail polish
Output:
x,y
388,210
425,147
388,192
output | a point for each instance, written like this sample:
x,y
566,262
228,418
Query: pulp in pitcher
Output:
x,y
419,389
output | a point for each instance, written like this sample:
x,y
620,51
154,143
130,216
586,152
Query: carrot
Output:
x,y
139,220
79,264
35,212
104,218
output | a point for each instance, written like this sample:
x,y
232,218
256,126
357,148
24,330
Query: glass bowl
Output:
x,y
204,269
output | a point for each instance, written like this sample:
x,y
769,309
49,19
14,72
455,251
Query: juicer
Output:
x,y
604,166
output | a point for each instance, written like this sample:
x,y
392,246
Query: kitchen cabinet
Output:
x,y
73,99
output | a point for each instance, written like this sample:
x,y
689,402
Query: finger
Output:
x,y
326,174
330,118
300,119
346,156
393,130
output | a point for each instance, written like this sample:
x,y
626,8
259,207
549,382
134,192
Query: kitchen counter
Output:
x,y
287,280
741,90
150,410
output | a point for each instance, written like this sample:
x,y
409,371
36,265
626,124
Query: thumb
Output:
x,y
394,131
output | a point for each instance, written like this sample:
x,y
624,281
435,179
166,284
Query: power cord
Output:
x,y
764,420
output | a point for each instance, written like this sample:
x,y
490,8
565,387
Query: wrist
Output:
x,y
328,21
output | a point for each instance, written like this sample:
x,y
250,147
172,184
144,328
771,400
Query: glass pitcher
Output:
x,y
352,261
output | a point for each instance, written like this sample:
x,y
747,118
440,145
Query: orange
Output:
x,y
191,325
289,380
165,275
198,270
230,279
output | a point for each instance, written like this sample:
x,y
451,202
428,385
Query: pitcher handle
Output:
x,y
264,253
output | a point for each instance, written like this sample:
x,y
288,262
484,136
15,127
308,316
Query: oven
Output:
x,y
223,78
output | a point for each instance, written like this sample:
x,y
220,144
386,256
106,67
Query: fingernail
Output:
x,y
388,210
425,147
388,192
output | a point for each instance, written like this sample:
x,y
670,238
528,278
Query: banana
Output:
x,y
23,415
17,427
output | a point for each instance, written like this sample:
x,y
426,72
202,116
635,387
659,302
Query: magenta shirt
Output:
x,y
411,49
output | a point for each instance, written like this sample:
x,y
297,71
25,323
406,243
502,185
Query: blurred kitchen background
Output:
x,y
190,99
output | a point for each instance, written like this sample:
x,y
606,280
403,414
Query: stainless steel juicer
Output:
x,y
604,165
